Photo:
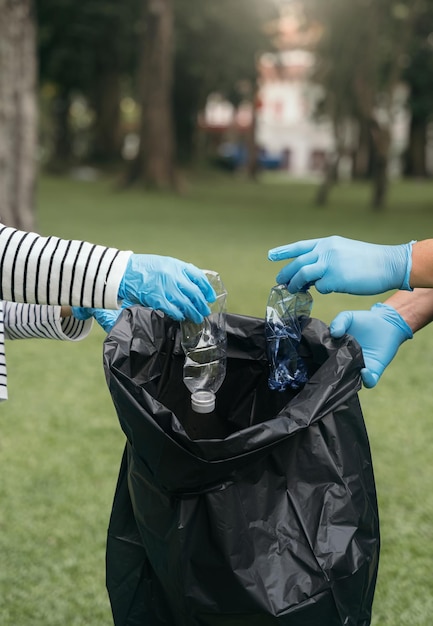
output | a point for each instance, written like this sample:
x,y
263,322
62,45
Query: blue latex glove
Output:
x,y
380,332
105,317
344,265
179,289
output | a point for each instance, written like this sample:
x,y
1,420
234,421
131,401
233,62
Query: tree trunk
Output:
x,y
415,164
187,100
362,156
330,178
18,113
61,156
381,136
330,165
155,161
107,138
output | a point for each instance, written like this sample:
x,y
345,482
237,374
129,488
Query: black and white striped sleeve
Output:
x,y
49,270
29,321
3,373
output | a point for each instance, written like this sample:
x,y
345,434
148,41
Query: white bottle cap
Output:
x,y
203,401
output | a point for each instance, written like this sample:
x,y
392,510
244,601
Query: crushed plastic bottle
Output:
x,y
286,314
205,347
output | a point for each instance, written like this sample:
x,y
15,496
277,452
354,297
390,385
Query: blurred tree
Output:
x,y
155,161
190,49
18,113
361,60
87,48
183,50
419,77
217,45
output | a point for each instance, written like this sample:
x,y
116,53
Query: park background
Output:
x,y
108,133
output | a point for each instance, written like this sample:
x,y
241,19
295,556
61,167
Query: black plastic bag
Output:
x,y
276,523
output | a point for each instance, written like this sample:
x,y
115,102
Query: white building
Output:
x,y
286,120
287,127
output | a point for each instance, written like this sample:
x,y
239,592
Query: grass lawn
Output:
x,y
60,442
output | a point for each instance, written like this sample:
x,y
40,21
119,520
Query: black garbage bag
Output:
x,y
265,514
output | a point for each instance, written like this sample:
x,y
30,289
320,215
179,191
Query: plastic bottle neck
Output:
x,y
203,401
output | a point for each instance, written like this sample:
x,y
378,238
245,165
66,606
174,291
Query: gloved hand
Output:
x,y
379,332
178,289
344,265
105,317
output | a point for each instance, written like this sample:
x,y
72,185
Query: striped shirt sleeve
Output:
x,y
34,321
49,270
3,374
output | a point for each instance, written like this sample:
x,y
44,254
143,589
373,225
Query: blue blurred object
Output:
x,y
233,156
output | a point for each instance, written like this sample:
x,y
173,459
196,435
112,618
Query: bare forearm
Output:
x,y
415,307
421,274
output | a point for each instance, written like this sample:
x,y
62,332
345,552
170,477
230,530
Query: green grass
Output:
x,y
60,442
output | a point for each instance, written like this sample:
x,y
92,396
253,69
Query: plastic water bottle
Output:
x,y
286,314
205,347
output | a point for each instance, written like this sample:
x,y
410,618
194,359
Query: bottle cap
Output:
x,y
203,401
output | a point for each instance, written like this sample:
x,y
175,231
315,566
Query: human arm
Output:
x,y
416,307
49,270
381,330
350,266
363,267
36,321
43,321
421,274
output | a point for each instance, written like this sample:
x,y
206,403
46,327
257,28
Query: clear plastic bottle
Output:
x,y
286,314
205,347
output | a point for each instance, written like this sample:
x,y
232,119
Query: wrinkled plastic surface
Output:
x,y
276,523
205,344
286,314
